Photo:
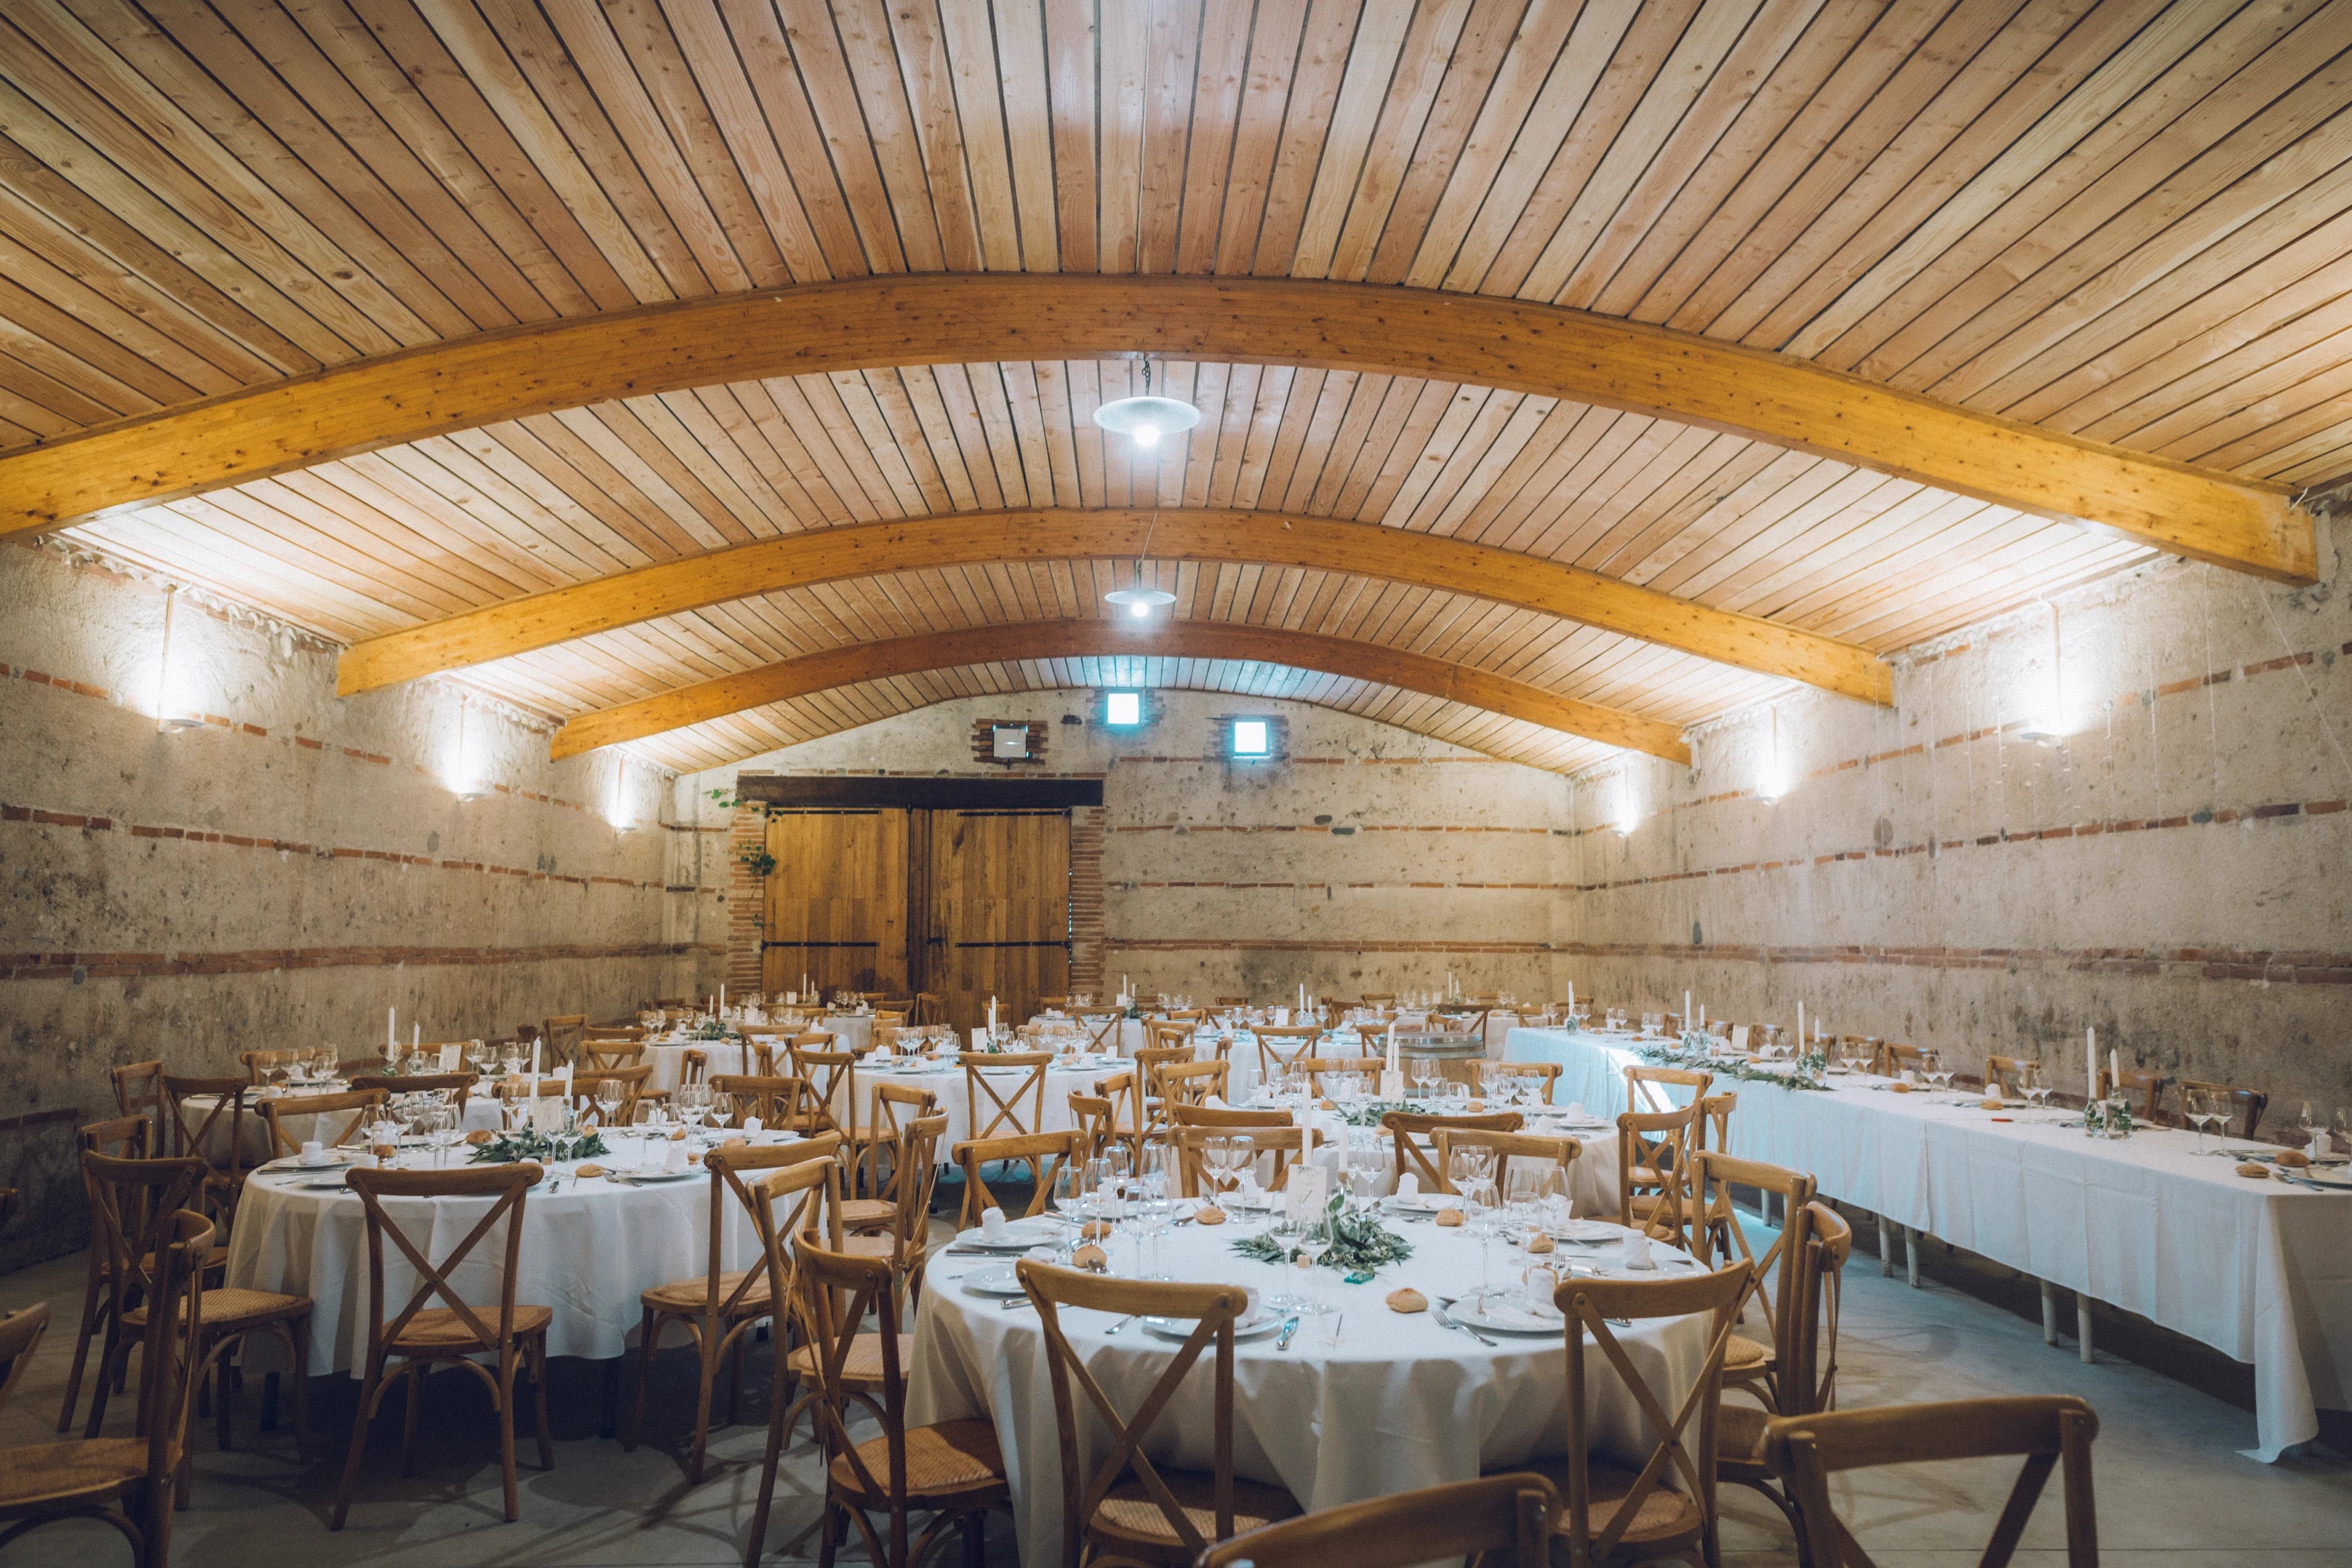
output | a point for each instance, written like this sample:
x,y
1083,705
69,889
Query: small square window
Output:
x,y
1123,708
1010,742
1250,739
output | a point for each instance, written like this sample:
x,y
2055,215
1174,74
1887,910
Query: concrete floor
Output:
x,y
2172,1488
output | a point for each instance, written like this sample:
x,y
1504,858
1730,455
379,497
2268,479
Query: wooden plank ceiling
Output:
x,y
2125,220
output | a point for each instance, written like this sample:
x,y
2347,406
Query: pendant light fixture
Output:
x,y
1137,600
1146,419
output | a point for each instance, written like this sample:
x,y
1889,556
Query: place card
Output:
x,y
1392,1085
1739,1038
452,1057
1309,1190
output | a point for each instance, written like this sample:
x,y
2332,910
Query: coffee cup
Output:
x,y
314,1153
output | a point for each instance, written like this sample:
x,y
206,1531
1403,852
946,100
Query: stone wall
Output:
x,y
2168,866
287,868
1365,858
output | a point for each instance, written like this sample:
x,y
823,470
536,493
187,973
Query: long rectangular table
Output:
x,y
2259,1270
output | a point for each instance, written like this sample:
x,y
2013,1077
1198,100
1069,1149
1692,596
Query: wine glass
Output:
x,y
2197,1110
1069,1199
609,1095
719,1106
2308,1123
442,1126
2339,1129
1482,1215
693,1105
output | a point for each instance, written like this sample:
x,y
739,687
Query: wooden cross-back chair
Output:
x,y
1165,1035
1130,1120
606,1055
1101,1025
719,1306
1042,1153
138,1092
792,1202
782,1103
891,1109
951,1470
132,1206
129,1483
1148,1061
563,1036
2141,1086
1287,1146
131,1200
2050,1432
420,1337
1896,1059
930,1007
2251,1102
1507,1146
1751,1361
259,1065
214,1134
1278,1045
1178,1084
1645,1087
363,1105
1654,1160
904,1239
831,1078
125,1137
1126,1507
1665,1508
1413,1129
1822,1242
693,1065
2004,1075
1096,1121
1491,1072
1510,1516
990,1112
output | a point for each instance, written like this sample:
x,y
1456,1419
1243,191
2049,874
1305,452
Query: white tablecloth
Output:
x,y
667,1057
586,1253
1402,1402
2260,1271
481,1112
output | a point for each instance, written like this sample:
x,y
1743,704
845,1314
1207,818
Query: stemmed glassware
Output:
x,y
609,1095
720,1107
1932,1069
2197,1110
2308,1123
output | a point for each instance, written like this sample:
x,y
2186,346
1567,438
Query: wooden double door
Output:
x,y
966,904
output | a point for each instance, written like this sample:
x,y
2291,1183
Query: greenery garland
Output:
x,y
1360,1243
508,1148
1692,1053
713,1029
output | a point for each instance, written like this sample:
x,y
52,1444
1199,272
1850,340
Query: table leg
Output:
x,y
2049,1312
1911,1255
2082,1325
1885,1250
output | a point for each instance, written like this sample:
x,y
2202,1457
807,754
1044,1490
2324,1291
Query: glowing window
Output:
x,y
1123,707
1251,738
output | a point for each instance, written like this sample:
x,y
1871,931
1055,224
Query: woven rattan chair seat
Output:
x,y
438,1329
687,1296
1129,1519
951,1461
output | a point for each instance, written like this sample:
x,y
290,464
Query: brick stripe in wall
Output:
x,y
1279,945
80,967
1344,829
1356,886
2284,967
41,816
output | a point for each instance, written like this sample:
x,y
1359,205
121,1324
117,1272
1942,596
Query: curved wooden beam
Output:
x,y
1086,639
938,318
1277,539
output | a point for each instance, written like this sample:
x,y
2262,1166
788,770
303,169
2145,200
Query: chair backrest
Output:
x,y
831,1078
563,1036
994,1113
1507,1146
363,1105
603,1055
1151,1059
895,1107
1227,1116
1213,1310
2251,1102
458,1086
1187,1084
1715,1118
506,1184
1287,1144
19,1333
1124,1090
832,1294
1044,1153
693,1065
173,1360
1896,1059
1409,1128
1713,1176
214,1133
914,1178
1165,1034
1511,1516
2141,1083
1317,1067
1645,1087
1095,1120
634,1081
2049,1431
730,1167
259,1065
1653,1154
1280,1044
1101,1025
2003,1074
1371,1039
930,1007
1380,998
1684,1449
132,1203
138,1092
778,1101
130,1137
1809,1371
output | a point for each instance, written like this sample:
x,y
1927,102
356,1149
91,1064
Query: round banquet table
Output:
x,y
481,1113
1401,1403
1593,1186
667,1057
588,1250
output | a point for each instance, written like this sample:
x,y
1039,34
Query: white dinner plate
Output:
x,y
1020,1235
1422,1202
2327,1175
653,1178
999,1281
1180,1329
1507,1320
324,1184
336,1159
1589,1230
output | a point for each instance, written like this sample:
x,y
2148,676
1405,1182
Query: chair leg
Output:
x,y
648,1332
352,1457
113,1366
538,1402
220,1354
707,1375
416,1373
94,1310
778,1399
506,1433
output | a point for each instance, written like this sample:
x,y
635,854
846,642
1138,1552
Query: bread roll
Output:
x,y
1211,1215
2254,1172
1408,1299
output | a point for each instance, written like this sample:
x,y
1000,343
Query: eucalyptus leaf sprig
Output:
x,y
1806,1076
507,1148
1360,1243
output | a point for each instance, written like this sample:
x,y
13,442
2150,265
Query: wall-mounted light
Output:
x,y
1774,781
2047,724
466,777
1628,815
616,802
168,716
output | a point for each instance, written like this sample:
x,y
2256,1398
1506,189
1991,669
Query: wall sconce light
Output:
x,y
2048,726
167,719
466,781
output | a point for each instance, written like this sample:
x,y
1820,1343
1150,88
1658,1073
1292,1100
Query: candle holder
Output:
x,y
2118,1119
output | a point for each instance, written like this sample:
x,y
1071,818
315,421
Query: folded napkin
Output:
x,y
1216,1102
991,1224
1637,1253
1508,1314
1408,1185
